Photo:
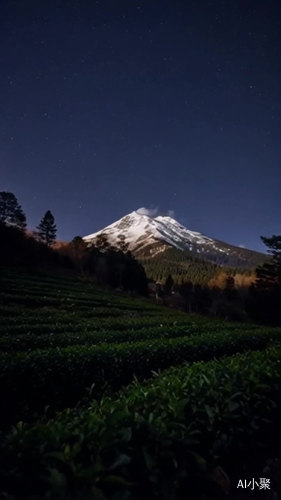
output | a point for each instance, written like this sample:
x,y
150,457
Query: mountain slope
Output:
x,y
148,236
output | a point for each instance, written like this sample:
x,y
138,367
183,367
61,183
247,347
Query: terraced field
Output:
x,y
115,397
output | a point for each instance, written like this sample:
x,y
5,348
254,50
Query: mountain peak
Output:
x,y
147,233
142,224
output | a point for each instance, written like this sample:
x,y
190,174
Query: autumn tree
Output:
x,y
47,229
11,212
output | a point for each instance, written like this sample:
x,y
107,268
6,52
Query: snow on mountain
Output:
x,y
140,230
147,235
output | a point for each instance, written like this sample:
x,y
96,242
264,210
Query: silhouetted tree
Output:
x,y
91,257
229,282
76,250
134,277
20,249
265,294
185,291
269,274
158,291
11,212
229,288
113,268
168,285
47,229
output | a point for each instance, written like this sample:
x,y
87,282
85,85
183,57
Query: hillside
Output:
x,y
183,266
207,394
50,311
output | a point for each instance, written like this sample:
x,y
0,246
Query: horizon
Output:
x,y
152,213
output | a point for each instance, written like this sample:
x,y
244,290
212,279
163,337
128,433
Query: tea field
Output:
x,y
107,396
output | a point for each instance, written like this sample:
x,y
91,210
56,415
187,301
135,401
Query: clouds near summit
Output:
x,y
151,212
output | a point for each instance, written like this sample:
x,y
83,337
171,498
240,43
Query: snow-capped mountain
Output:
x,y
146,236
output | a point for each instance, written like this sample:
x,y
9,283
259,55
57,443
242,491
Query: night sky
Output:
x,y
108,106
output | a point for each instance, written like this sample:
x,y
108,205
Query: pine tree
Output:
x,y
229,282
265,295
47,229
229,287
11,212
269,274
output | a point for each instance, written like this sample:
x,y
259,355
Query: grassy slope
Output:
x,y
52,333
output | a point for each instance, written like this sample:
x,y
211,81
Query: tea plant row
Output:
x,y
12,339
60,377
154,440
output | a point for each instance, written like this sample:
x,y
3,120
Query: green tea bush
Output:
x,y
25,337
59,377
152,441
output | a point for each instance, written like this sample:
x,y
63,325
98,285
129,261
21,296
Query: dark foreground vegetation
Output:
x,y
110,268
156,440
71,346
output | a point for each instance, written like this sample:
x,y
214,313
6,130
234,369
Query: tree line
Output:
x,y
114,267
183,266
229,295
